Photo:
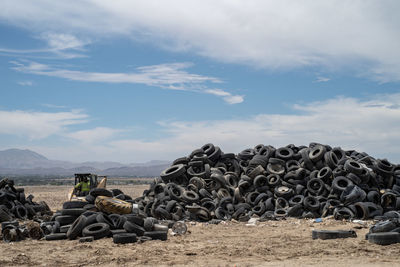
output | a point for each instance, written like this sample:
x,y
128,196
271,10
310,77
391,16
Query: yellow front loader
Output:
x,y
95,180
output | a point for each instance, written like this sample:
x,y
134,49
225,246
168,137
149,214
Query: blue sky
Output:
x,y
132,81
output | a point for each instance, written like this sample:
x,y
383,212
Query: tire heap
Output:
x,y
84,220
14,206
292,181
385,232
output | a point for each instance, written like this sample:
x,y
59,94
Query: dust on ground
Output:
x,y
272,243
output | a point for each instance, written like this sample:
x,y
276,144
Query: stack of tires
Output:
x,y
273,183
87,220
384,232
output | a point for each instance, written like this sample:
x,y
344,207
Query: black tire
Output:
x,y
124,238
4,215
284,153
100,192
65,228
157,235
65,219
76,228
296,200
117,231
190,196
86,239
133,228
332,234
385,226
353,167
283,191
97,230
74,204
103,218
384,238
311,203
90,199
89,207
7,223
173,172
58,236
116,192
20,212
73,212
149,223
340,183
317,153
134,219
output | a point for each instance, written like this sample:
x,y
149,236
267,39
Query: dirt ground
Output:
x,y
272,243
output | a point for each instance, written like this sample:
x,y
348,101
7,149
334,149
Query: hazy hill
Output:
x,y
27,162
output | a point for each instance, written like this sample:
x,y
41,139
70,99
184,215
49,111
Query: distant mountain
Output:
x,y
27,162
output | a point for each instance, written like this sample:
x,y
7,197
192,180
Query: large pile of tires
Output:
x,y
273,183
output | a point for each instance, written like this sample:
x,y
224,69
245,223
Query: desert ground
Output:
x,y
271,243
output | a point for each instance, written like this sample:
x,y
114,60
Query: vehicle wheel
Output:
x,y
124,238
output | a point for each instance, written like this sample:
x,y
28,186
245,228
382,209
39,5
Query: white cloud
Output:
x,y
168,76
38,125
321,79
93,135
370,125
226,96
25,83
361,36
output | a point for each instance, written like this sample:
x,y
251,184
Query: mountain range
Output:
x,y
27,162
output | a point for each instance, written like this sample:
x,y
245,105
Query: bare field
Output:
x,y
273,243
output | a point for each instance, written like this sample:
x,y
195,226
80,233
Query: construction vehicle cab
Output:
x,y
95,181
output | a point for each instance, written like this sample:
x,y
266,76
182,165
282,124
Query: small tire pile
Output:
x,y
273,183
385,232
93,219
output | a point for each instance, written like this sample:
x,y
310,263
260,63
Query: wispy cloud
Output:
x,y
60,45
321,79
25,83
53,106
168,76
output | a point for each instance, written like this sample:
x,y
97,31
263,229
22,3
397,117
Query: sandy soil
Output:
x,y
273,243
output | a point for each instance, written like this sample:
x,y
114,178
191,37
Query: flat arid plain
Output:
x,y
270,243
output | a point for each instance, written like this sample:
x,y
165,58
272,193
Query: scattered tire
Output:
x,y
386,238
124,238
333,234
58,236
157,235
